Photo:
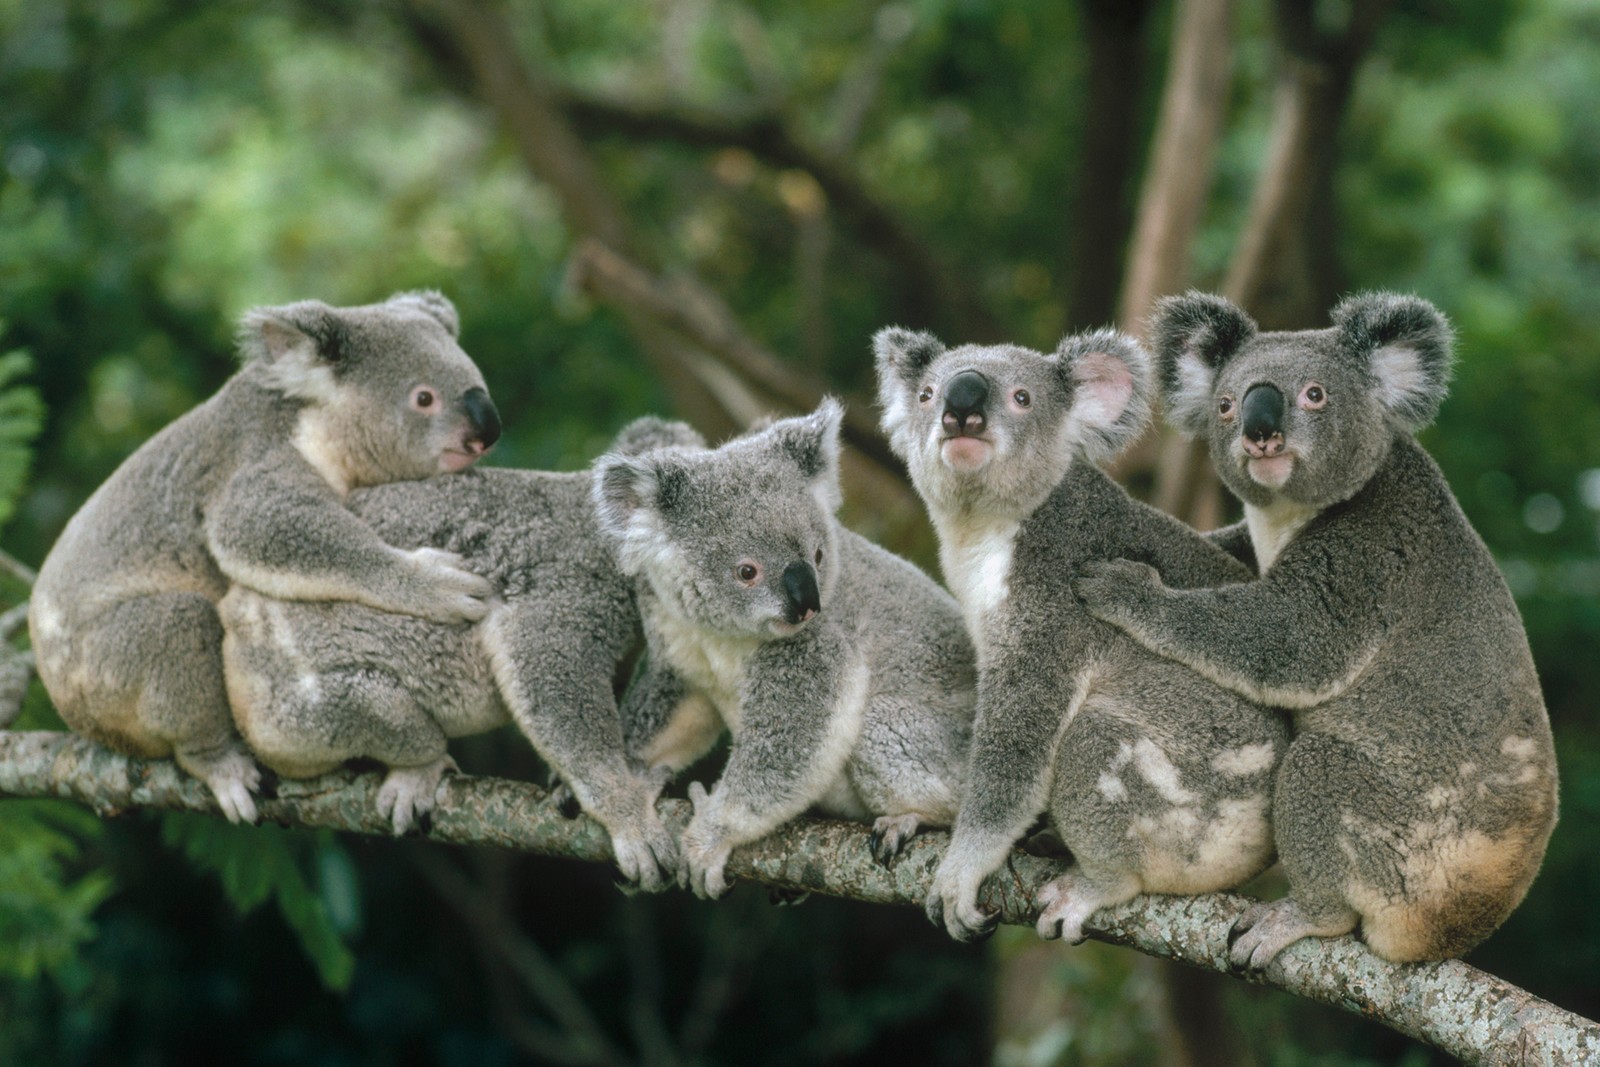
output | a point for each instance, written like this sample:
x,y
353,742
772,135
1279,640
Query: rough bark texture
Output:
x,y
1464,1011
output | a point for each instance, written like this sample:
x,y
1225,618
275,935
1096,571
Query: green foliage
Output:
x,y
21,419
308,876
47,901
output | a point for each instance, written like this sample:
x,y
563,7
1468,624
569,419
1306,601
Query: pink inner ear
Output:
x,y
1105,385
280,338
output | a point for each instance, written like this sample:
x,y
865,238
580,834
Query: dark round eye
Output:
x,y
1225,406
423,399
1315,395
1022,398
747,572
818,557
926,394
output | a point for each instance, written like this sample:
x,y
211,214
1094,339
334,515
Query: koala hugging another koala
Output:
x,y
1158,779
314,685
248,489
1419,791
842,671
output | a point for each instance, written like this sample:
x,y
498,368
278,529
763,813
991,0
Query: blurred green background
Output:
x,y
807,172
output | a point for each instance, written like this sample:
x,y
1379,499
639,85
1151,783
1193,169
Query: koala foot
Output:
x,y
953,902
1066,902
408,794
450,592
233,778
705,852
891,834
1267,928
648,860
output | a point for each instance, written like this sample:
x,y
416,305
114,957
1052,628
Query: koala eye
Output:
x,y
1022,398
748,572
424,399
1225,408
1313,397
818,557
926,394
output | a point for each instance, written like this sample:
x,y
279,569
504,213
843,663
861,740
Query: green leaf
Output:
x,y
21,419
46,913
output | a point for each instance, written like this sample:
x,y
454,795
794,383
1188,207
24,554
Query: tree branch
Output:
x,y
1464,1011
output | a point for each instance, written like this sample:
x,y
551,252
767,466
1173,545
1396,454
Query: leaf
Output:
x,y
45,914
21,419
255,863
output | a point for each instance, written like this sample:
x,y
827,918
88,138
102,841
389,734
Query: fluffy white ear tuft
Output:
x,y
1193,336
1109,375
1406,343
811,442
297,345
624,492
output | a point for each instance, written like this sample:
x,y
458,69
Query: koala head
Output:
x,y
1305,415
393,395
740,539
997,427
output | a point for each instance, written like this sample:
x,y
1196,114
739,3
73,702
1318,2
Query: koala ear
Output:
x,y
811,442
629,491
301,346
429,302
1406,343
1108,375
649,433
1193,336
903,353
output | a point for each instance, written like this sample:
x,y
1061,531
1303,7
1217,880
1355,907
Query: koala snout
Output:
x,y
1261,420
964,400
802,599
484,419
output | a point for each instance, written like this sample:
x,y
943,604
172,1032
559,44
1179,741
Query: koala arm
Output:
x,y
277,527
1025,701
800,713
1235,541
1294,638
666,725
1185,558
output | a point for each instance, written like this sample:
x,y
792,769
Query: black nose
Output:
x,y
1262,413
485,419
800,588
964,400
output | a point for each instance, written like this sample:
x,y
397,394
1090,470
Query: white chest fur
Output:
x,y
976,559
708,662
1274,526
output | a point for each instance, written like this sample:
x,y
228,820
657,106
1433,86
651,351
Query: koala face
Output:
x,y
739,539
998,426
390,394
1306,415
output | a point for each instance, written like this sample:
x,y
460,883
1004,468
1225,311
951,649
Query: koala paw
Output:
x,y
953,904
449,592
705,852
1063,909
891,834
408,794
1104,586
233,779
1265,929
647,857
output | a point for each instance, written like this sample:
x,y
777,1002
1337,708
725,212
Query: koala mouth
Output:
x,y
459,459
1271,471
966,453
781,628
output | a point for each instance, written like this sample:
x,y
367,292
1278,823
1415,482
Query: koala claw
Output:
x,y
234,798
408,794
890,834
233,779
1267,928
1062,911
965,920
705,854
451,592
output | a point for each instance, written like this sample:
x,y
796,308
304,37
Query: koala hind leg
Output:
x,y
149,681
1066,902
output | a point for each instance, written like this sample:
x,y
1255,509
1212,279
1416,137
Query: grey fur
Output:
x,y
862,710
314,685
1156,779
1420,789
248,489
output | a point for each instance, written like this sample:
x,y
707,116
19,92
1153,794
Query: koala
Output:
x,y
249,489
317,684
1418,794
843,673
1157,779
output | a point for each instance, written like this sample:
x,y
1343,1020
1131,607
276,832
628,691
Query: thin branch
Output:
x,y
1464,1011
17,569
